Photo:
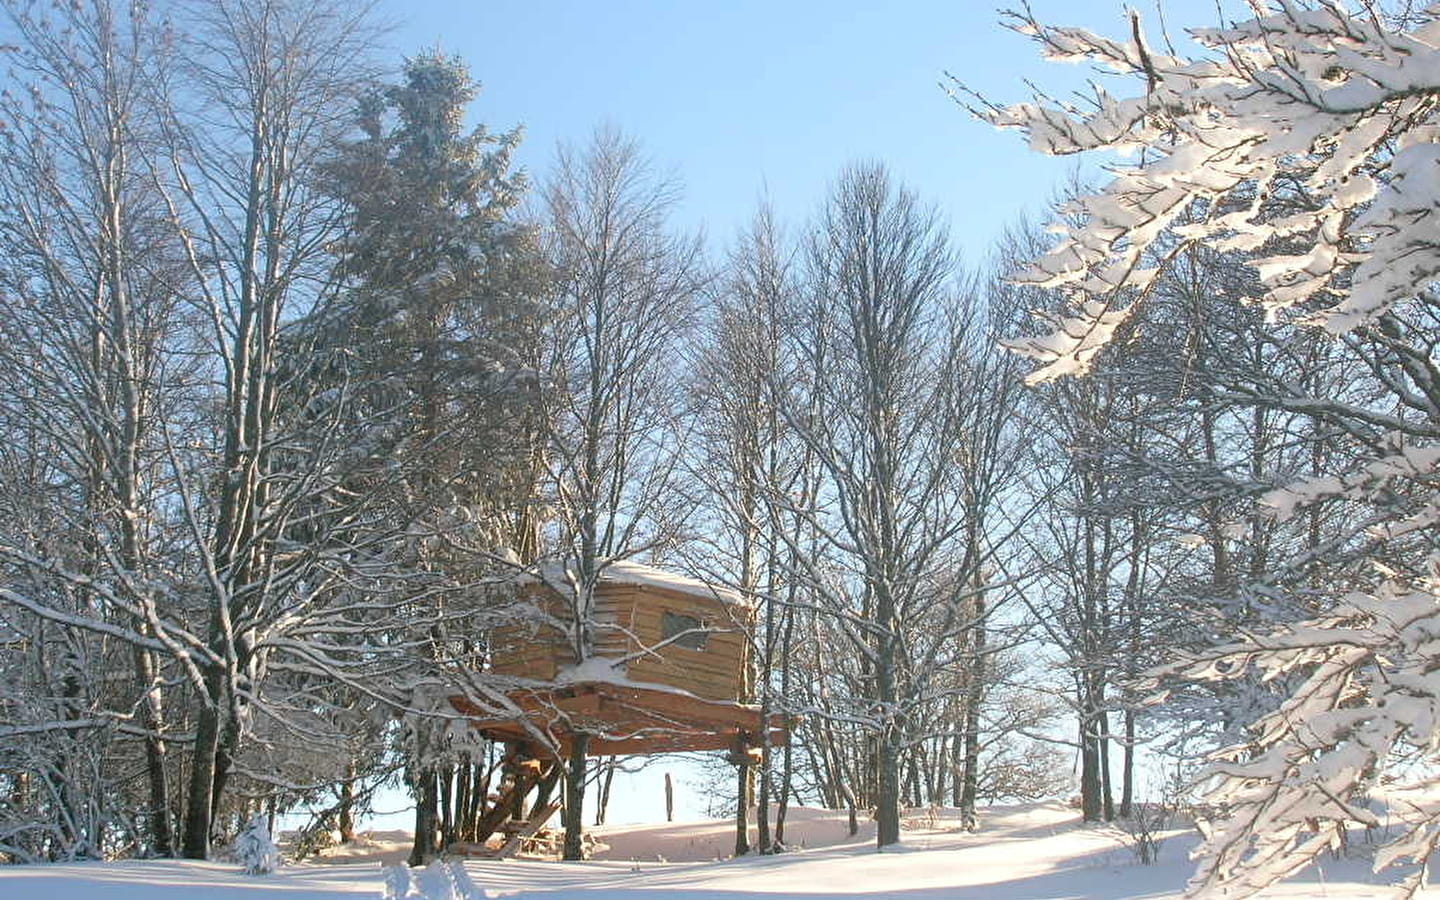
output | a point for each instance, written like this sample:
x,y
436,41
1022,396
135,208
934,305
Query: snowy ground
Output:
x,y
1031,852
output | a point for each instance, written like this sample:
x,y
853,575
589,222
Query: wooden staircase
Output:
x,y
523,832
525,775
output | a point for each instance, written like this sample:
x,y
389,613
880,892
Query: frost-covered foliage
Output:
x,y
254,848
1364,720
1306,125
1302,142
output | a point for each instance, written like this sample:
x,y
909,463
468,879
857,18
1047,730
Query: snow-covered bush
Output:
x,y
254,849
437,881
445,881
397,883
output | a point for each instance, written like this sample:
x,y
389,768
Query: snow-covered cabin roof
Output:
x,y
625,571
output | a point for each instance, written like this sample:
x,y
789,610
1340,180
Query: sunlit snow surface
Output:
x,y
1029,852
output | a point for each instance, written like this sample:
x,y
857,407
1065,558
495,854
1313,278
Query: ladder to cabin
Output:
x,y
528,774
523,832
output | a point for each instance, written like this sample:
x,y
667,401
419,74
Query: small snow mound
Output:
x,y
254,849
438,881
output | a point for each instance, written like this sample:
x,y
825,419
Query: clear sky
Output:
x,y
744,97
740,98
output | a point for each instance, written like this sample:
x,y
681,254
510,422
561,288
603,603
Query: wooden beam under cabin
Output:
x,y
624,719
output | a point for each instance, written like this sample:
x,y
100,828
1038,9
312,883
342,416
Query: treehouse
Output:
x,y
666,671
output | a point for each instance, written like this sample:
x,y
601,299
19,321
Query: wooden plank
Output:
x,y
681,707
525,657
691,662
538,670
693,682
712,684
521,658
673,743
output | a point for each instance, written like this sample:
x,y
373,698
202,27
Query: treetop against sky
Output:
x,y
747,99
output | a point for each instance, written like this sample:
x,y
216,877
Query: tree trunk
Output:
x,y
1127,775
887,800
445,779
1107,795
201,789
762,793
602,804
224,763
1091,805
575,798
936,784
479,796
153,719
546,788
974,698
744,795
461,824
787,773
425,818
970,788
911,793
850,803
346,817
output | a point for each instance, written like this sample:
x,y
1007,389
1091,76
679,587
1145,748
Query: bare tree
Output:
x,y
879,400
92,284
627,294
744,456
230,497
266,94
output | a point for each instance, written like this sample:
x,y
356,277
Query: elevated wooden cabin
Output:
x,y
666,673
649,627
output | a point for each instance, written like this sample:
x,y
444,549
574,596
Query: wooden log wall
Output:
x,y
630,617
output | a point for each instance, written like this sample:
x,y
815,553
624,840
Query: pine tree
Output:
x,y
439,301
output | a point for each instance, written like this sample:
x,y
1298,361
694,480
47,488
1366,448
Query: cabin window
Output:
x,y
687,631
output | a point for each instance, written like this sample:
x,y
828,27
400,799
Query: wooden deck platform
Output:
x,y
624,719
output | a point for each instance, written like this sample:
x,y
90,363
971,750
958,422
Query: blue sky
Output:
x,y
744,97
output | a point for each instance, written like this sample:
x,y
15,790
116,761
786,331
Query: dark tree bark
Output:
x,y
602,805
199,797
744,797
1092,804
974,697
574,818
345,818
426,801
1127,776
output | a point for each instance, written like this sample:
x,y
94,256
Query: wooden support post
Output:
x,y
669,798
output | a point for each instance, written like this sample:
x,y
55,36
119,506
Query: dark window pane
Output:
x,y
687,631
